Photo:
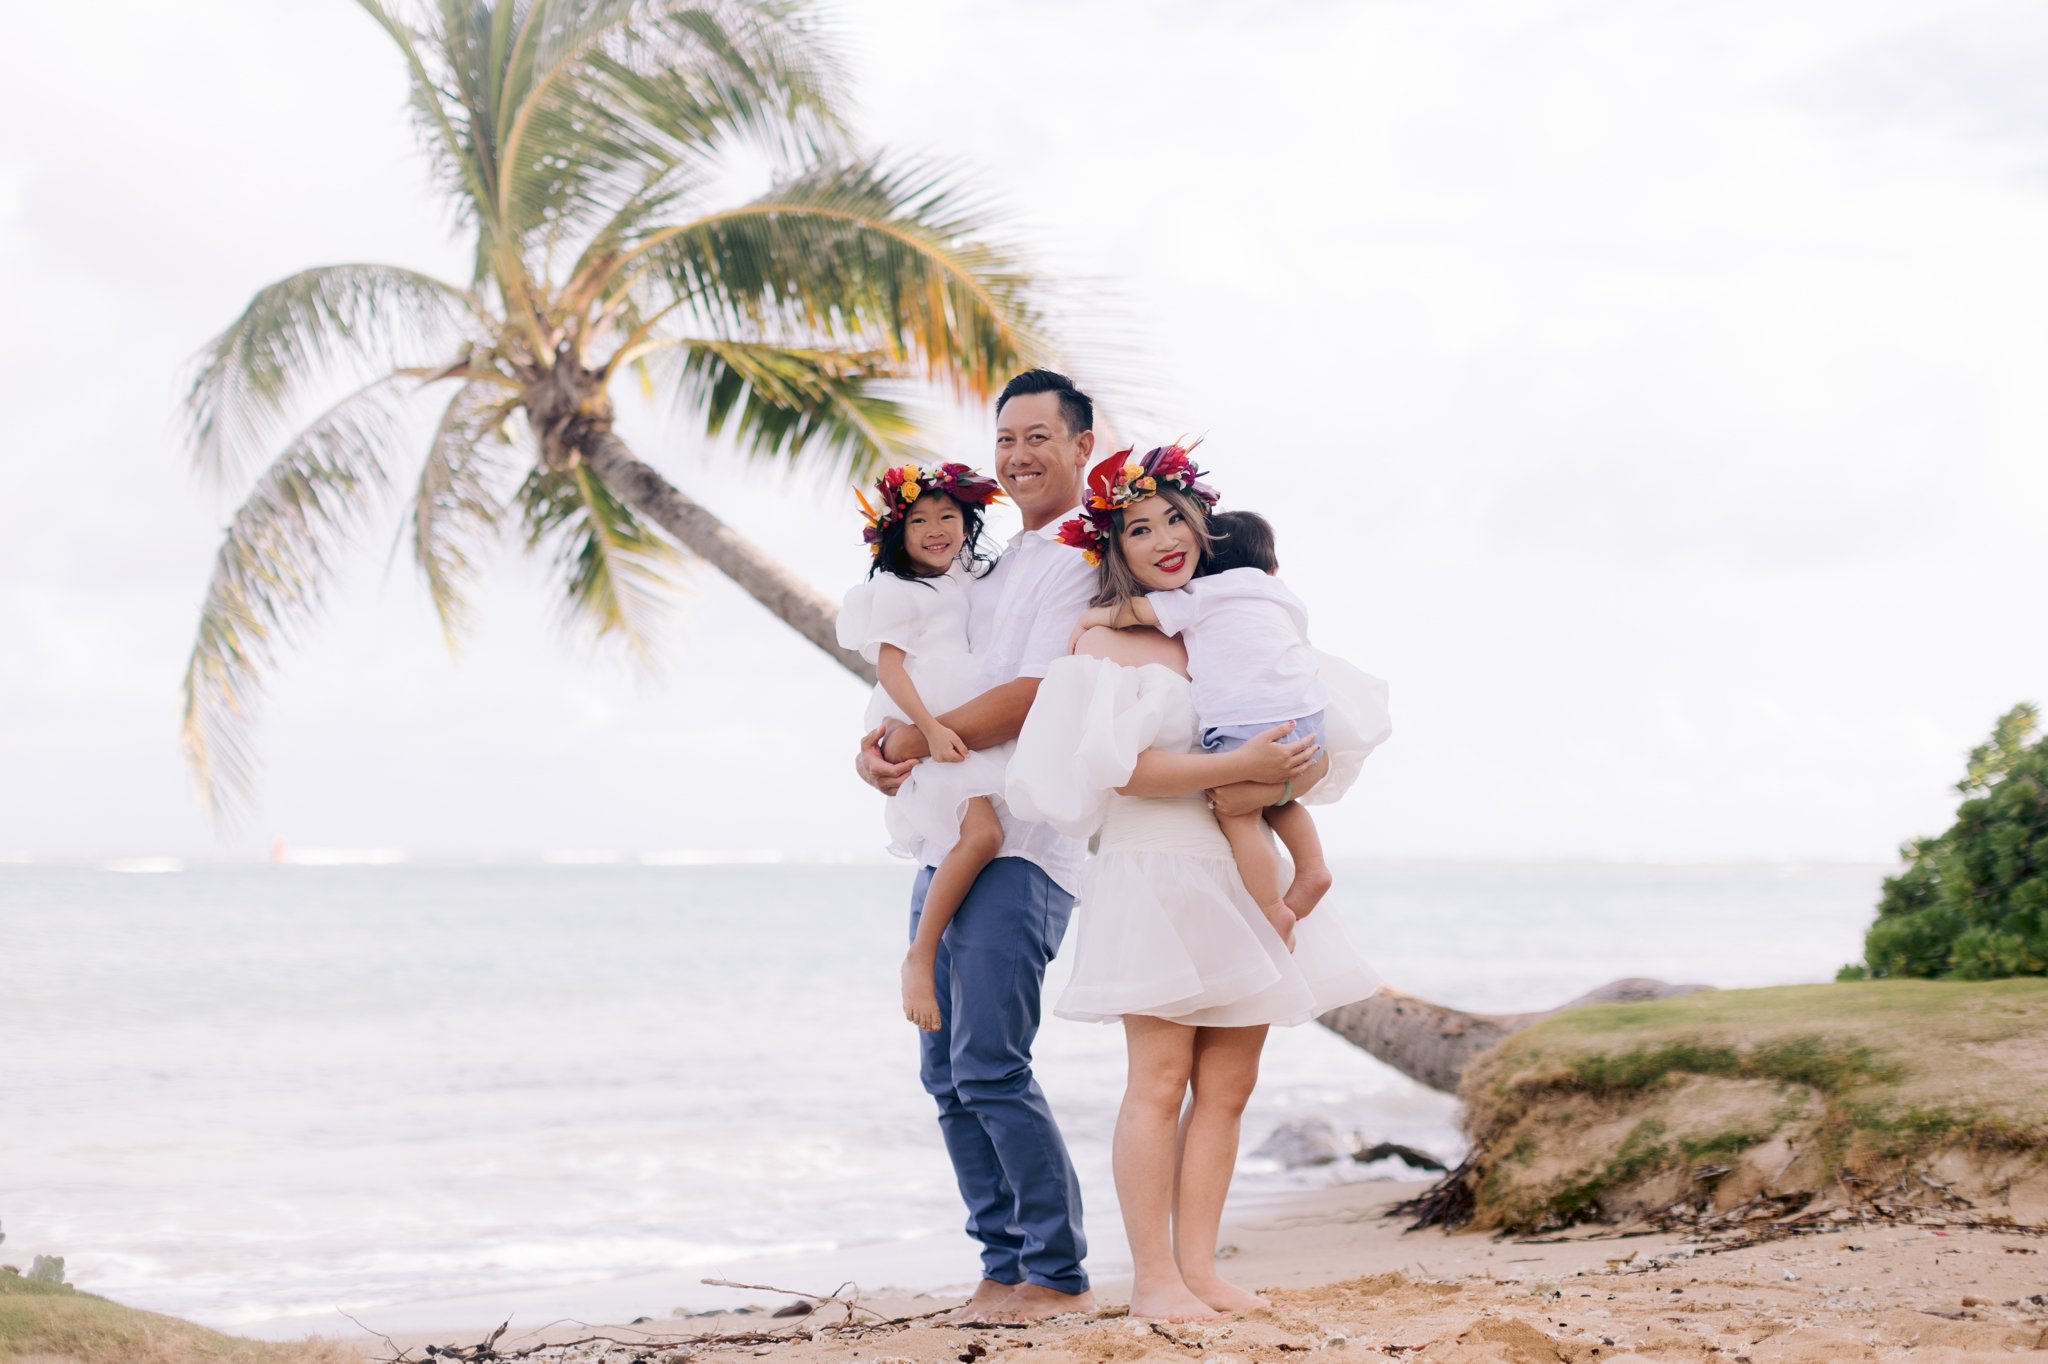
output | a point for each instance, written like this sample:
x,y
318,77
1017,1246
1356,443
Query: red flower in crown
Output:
x,y
897,488
1119,481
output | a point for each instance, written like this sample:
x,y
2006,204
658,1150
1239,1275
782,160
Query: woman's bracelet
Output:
x,y
1285,796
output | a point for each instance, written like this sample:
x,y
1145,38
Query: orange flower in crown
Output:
x,y
897,488
1119,481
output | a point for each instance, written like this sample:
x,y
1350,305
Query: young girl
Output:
x,y
909,619
1251,668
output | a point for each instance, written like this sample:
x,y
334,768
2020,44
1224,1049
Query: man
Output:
x,y
1023,1201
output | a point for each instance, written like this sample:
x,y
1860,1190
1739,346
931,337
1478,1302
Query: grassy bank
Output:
x,y
48,1324
1710,1100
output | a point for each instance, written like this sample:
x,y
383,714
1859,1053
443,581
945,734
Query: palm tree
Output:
x,y
577,141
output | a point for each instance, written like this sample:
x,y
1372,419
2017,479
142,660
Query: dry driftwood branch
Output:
x,y
488,1351
817,1300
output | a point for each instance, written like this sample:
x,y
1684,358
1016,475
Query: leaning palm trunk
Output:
x,y
1429,1043
1432,1044
789,598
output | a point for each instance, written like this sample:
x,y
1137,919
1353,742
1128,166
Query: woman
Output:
x,y
1169,943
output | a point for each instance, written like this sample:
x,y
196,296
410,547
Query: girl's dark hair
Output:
x,y
892,557
1243,540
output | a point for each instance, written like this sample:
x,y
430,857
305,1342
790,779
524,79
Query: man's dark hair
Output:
x,y
1243,540
1075,405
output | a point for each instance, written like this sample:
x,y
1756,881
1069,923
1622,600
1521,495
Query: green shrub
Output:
x,y
1973,903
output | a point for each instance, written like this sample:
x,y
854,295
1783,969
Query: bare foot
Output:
x,y
1312,881
1170,1302
1282,919
1223,1295
987,1294
920,996
1034,1302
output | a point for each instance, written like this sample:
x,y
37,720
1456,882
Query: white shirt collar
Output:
x,y
1050,530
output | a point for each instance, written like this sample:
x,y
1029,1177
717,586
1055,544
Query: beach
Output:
x,y
274,1092
1346,1280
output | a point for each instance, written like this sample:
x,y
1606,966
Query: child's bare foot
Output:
x,y
1282,919
1170,1302
920,997
1312,881
1223,1295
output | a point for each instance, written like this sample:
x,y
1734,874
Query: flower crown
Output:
x,y
897,488
1119,481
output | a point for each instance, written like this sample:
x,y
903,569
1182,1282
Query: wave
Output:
x,y
339,857
714,857
143,865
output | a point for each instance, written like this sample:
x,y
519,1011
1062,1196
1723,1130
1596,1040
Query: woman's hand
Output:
x,y
945,744
1092,617
1275,758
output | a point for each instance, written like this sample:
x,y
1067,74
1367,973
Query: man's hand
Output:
x,y
1243,797
874,769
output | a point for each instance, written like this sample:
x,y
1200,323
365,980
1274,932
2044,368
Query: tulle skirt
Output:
x,y
923,819
1165,928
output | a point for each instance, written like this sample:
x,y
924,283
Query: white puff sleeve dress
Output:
x,y
927,619
1164,926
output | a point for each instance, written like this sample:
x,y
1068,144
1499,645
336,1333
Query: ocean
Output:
x,y
237,1094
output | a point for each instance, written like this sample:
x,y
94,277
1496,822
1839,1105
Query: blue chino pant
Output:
x,y
1023,1202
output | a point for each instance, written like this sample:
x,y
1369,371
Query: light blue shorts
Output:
x,y
1224,738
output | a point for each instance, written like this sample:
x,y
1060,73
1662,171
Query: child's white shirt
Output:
x,y
925,618
1249,660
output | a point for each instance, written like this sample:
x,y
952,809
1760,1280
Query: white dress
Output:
x,y
927,619
1164,926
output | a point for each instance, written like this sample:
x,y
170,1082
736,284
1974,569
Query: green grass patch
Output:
x,y
53,1324
1717,1146
1818,1062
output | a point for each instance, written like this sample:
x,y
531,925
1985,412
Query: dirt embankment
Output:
x,y
1805,1104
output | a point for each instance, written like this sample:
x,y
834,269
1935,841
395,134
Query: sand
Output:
x,y
1347,1282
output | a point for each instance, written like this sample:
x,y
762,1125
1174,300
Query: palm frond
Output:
x,y
864,255
651,207
786,402
460,500
616,574
271,571
294,332
602,94
445,132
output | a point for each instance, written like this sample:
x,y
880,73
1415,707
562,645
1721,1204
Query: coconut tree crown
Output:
x,y
579,141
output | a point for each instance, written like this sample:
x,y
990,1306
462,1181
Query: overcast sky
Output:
x,y
1653,393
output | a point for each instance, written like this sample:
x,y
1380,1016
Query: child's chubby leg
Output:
x,y
1297,831
1259,867
981,837
1312,880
